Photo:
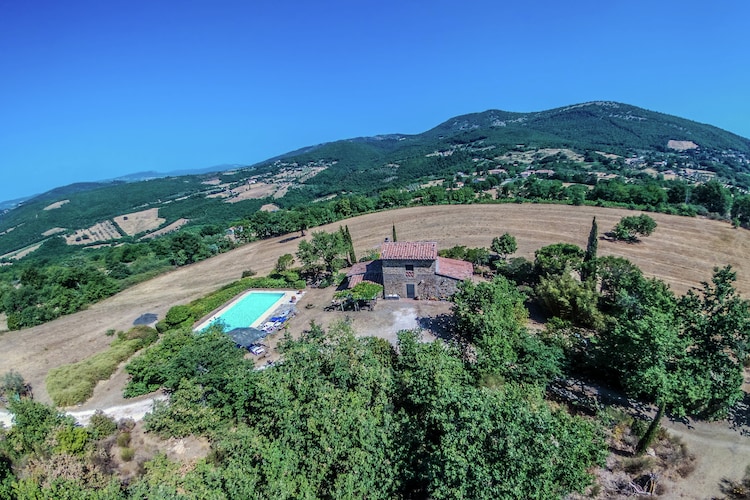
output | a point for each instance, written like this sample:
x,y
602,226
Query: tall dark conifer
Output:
x,y
588,269
394,232
350,244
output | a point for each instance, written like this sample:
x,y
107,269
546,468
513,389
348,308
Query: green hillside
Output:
x,y
369,165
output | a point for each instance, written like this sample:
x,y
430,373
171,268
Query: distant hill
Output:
x,y
488,140
609,126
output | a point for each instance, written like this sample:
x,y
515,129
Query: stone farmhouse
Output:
x,y
412,270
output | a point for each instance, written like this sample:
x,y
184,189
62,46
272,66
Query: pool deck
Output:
x,y
289,297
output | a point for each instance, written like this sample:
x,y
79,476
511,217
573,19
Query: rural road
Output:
x,y
135,410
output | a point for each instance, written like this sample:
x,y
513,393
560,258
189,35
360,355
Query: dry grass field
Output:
x,y
167,229
103,231
56,205
682,252
138,222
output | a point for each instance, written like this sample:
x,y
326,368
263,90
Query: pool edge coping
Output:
x,y
206,321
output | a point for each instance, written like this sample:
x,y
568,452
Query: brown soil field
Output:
x,y
251,192
138,222
54,230
528,157
104,231
682,251
19,254
55,205
167,229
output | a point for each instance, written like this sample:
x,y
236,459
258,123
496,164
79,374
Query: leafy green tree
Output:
x,y
685,355
617,275
715,197
567,298
629,228
741,210
492,317
284,262
324,248
187,412
33,423
557,259
508,431
504,245
718,325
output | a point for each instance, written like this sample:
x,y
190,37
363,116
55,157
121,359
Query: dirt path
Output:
x,y
135,409
721,453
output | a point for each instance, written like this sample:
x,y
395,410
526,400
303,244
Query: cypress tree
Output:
x,y
394,232
350,244
588,269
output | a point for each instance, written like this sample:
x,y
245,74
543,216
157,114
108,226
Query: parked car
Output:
x,y
256,349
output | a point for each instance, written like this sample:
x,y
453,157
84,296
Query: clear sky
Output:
x,y
96,89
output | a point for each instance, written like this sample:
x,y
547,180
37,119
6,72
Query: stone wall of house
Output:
x,y
396,277
437,287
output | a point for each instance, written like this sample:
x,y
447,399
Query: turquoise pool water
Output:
x,y
248,309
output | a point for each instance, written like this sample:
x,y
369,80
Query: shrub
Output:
x,y
71,440
13,385
178,315
101,425
127,454
123,439
72,384
126,424
247,273
637,465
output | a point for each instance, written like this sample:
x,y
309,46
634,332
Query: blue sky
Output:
x,y
98,89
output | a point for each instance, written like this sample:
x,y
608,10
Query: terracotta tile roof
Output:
x,y
358,268
355,280
371,270
452,268
409,250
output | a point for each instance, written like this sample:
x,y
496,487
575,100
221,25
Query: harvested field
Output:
x,y
283,190
55,205
251,192
167,229
529,156
139,222
54,230
18,254
104,231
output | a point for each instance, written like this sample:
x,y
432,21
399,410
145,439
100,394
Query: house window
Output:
x,y
409,271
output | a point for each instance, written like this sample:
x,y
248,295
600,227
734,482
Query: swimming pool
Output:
x,y
246,310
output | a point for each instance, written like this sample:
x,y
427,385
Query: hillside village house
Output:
x,y
412,270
